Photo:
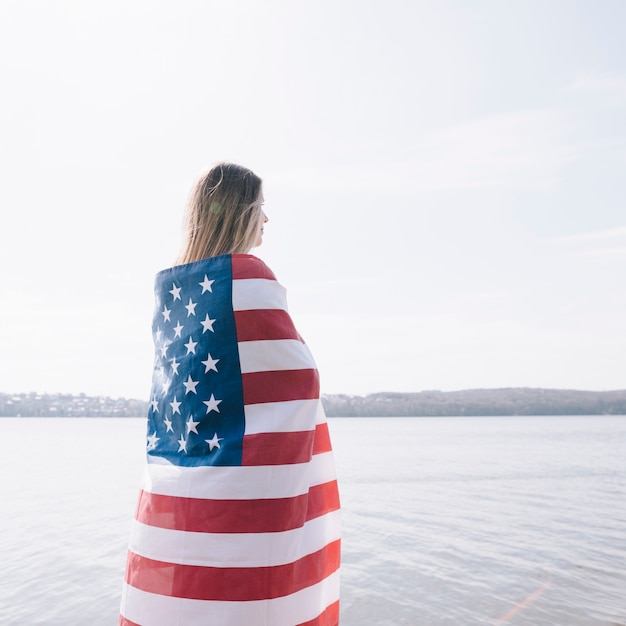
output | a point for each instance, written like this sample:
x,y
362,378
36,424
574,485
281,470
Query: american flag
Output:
x,y
238,517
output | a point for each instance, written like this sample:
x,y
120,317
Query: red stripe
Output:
x,y
280,386
231,584
246,266
285,448
126,622
265,324
323,499
277,448
329,617
236,516
322,439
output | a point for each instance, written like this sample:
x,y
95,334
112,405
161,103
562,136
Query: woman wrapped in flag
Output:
x,y
237,521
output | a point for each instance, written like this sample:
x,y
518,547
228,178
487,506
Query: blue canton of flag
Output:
x,y
196,414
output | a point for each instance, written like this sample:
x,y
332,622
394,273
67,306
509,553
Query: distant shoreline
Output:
x,y
479,402
471,402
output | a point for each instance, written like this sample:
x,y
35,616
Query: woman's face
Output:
x,y
259,233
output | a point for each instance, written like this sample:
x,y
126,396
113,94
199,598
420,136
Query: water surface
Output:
x,y
447,521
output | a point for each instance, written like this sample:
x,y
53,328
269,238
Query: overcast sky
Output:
x,y
445,182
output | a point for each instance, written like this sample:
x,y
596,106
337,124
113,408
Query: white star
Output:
x,y
166,313
177,329
207,324
211,404
155,405
168,425
209,364
164,348
175,291
157,334
182,444
215,442
175,365
164,384
206,284
190,385
191,426
191,308
191,346
175,406
152,441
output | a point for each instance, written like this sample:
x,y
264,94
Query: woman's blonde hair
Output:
x,y
223,213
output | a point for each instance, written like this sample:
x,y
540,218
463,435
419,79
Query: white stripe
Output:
x,y
150,609
258,293
284,417
234,549
239,483
274,355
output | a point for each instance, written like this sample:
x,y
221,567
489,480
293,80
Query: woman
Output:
x,y
238,518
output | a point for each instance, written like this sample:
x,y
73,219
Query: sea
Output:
x,y
457,521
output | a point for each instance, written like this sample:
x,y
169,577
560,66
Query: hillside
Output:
x,y
513,401
68,405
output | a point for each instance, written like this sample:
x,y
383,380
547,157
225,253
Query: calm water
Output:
x,y
447,521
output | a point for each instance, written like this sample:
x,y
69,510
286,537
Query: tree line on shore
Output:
x,y
68,405
479,402
471,402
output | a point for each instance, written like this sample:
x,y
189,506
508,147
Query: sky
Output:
x,y
444,180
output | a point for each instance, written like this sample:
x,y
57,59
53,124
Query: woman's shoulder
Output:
x,y
250,266
241,266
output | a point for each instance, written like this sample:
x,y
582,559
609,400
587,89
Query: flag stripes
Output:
x,y
277,448
232,584
322,443
236,516
245,266
253,325
291,415
284,448
275,355
280,386
216,549
252,537
148,608
328,617
239,483
245,294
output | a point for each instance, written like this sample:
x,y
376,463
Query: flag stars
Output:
x,y
190,385
211,404
171,430
175,406
175,291
192,427
191,346
206,284
191,308
210,364
215,442
207,324
152,441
